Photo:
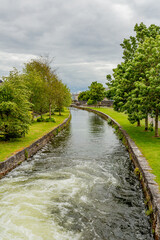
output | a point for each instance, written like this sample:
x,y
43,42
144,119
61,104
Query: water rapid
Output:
x,y
80,186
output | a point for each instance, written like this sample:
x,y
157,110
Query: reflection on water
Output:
x,y
79,186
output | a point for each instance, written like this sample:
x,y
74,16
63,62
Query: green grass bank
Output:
x,y
36,131
145,141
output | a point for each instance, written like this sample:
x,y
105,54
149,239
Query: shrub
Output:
x,y
90,102
151,126
59,109
40,119
50,120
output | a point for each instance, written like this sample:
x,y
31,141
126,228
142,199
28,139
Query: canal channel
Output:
x,y
80,186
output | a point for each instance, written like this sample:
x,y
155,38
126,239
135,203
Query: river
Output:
x,y
80,186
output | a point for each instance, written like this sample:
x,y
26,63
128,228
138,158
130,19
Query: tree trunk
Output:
x,y
50,110
138,123
146,123
156,123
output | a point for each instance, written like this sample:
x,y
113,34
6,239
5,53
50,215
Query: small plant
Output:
x,y
59,109
40,119
90,102
137,171
120,136
149,211
50,120
153,231
140,177
26,154
109,121
151,126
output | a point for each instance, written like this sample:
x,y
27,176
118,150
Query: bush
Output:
x,y
90,102
50,120
40,119
151,126
14,129
59,109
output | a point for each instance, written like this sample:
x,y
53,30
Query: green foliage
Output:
x,y
36,131
149,211
40,119
48,91
50,120
96,91
151,126
15,116
84,96
109,121
37,90
57,109
135,83
90,102
26,154
63,96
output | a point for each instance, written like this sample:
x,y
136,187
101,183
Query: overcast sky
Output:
x,y
83,36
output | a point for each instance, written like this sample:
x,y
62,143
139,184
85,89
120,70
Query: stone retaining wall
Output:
x,y
29,151
143,170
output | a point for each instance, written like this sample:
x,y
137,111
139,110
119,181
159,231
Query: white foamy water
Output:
x,y
79,187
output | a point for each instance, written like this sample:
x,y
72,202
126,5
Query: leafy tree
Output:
x,y
96,92
63,96
84,96
15,116
149,52
36,86
125,86
40,69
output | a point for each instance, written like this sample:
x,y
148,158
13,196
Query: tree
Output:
x,y
125,86
96,92
149,51
36,86
83,96
48,92
15,116
63,96
44,79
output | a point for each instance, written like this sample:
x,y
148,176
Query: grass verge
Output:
x,y
146,142
37,130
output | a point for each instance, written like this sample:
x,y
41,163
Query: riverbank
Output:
x,y
35,144
36,131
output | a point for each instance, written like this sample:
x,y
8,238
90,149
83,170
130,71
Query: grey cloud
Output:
x,y
83,36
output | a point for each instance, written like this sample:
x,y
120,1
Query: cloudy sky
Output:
x,y
83,36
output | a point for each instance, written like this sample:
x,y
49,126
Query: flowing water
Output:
x,y
79,186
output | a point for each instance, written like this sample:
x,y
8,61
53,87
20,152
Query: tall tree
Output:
x,y
63,96
125,85
96,91
149,52
15,116
46,86
83,96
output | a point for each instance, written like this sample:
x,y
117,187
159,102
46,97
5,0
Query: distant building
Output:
x,y
75,96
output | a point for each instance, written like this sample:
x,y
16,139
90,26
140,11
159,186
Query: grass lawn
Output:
x,y
37,130
147,143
